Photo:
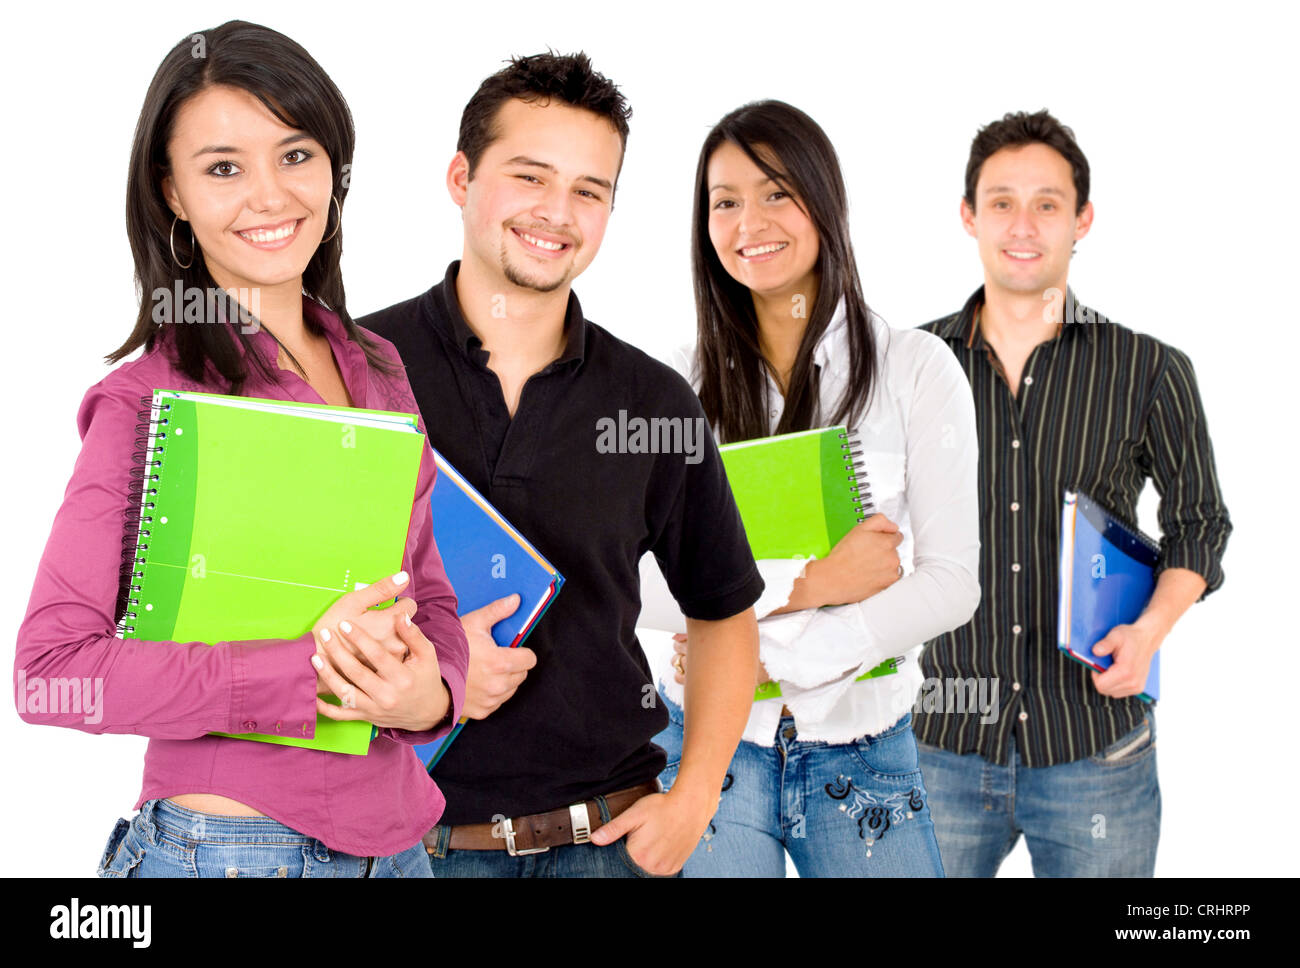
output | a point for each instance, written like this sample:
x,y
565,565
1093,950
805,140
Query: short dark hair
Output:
x,y
569,78
1020,128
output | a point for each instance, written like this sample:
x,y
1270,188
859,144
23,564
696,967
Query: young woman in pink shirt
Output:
x,y
239,170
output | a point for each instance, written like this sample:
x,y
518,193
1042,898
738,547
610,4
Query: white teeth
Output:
x,y
261,235
754,250
1021,255
541,243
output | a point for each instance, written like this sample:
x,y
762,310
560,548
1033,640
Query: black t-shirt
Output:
x,y
577,474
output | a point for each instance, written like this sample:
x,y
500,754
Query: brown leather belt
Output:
x,y
540,832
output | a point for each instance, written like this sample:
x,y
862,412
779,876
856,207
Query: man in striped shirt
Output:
x,y
1064,399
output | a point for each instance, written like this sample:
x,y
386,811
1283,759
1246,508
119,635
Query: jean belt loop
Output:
x,y
444,841
146,824
603,806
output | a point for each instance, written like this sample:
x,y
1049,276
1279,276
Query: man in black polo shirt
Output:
x,y
1064,399
514,386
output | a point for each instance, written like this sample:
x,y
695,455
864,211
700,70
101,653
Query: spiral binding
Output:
x,y
858,481
1131,528
140,492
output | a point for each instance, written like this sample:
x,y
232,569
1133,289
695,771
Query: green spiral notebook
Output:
x,y
799,493
255,516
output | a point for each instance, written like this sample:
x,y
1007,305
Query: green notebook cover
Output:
x,y
798,494
258,514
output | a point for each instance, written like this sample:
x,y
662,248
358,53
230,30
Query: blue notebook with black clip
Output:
x,y
1107,577
485,558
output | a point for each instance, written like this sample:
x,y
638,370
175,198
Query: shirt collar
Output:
x,y
824,352
962,326
446,315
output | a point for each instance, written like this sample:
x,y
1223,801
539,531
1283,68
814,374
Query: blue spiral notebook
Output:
x,y
1107,576
485,558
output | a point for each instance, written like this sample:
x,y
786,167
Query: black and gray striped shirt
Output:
x,y
1100,408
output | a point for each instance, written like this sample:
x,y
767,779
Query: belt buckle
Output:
x,y
508,828
580,823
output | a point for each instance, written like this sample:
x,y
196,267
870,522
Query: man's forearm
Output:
x,y
719,696
1177,590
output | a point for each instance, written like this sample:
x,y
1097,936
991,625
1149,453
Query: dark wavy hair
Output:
x,y
568,78
731,365
1017,129
294,88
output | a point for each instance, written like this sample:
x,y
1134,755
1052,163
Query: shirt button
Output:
x,y
1015,505
1015,687
1029,380
1015,629
1015,445
1015,567
279,727
304,728
250,726
1024,716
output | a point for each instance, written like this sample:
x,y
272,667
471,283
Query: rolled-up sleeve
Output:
x,y
1193,518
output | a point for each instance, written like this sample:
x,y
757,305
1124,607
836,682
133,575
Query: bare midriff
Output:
x,y
214,804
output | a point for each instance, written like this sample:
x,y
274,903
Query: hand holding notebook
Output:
x,y
487,560
502,670
396,687
799,496
1107,576
861,564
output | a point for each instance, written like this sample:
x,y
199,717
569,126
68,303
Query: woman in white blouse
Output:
x,y
827,770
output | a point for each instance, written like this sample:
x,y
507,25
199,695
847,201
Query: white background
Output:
x,y
1186,113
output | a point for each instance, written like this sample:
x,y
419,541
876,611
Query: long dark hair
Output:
x,y
294,88
731,365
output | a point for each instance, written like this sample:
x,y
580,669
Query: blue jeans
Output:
x,y
1094,817
164,840
568,860
853,809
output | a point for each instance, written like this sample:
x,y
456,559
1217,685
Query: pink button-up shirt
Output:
x,y
174,692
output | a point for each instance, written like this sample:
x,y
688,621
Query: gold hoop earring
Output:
x,y
339,224
171,242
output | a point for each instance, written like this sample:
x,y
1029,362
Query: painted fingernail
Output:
x,y
316,661
345,628
324,635
400,578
